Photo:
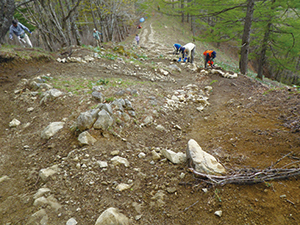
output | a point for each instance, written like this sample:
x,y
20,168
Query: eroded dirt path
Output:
x,y
244,126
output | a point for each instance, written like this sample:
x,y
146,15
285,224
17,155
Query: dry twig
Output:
x,y
251,176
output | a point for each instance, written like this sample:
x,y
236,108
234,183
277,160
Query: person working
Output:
x,y
188,52
96,35
19,30
137,38
209,56
176,49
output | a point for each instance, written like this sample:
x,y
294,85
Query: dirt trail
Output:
x,y
247,124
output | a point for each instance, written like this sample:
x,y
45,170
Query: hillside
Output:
x,y
156,107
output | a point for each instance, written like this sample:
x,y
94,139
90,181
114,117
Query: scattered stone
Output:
x,y
4,178
218,213
112,216
86,119
147,121
98,95
48,172
142,155
52,129
14,123
106,107
160,128
50,95
30,109
122,187
174,157
71,221
102,164
39,217
115,152
40,202
138,217
104,120
155,155
202,161
171,190
41,192
205,190
53,203
86,139
117,160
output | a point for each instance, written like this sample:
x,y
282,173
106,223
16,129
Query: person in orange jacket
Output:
x,y
209,56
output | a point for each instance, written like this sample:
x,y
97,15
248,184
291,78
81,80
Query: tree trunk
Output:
x,y
262,57
182,13
246,37
6,14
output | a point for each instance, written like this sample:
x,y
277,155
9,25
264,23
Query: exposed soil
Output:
x,y
246,125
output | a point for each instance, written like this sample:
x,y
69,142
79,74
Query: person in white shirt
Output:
x,y
19,30
188,52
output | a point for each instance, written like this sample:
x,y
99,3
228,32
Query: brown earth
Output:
x,y
247,125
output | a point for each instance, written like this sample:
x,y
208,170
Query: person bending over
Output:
x,y
188,52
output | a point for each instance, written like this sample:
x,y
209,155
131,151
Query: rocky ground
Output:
x,y
157,105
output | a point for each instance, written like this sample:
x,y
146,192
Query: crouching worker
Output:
x,y
176,49
209,56
188,52
19,30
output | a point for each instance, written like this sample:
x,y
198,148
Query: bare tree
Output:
x,y
6,14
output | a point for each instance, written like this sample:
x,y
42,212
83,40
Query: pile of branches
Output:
x,y
251,176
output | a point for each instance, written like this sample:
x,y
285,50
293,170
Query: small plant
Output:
x,y
102,82
217,191
213,81
110,99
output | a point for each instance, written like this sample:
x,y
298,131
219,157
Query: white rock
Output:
x,y
48,172
86,139
155,155
175,158
41,201
14,123
122,187
202,161
41,192
30,109
53,203
52,129
71,221
218,213
4,178
39,217
117,160
112,216
142,155
160,128
102,164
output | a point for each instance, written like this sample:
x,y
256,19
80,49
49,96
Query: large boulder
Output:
x,y
202,161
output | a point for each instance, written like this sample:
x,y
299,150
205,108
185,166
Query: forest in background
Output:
x,y
265,33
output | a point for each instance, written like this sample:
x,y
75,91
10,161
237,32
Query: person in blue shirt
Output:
x,y
176,49
19,30
96,35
